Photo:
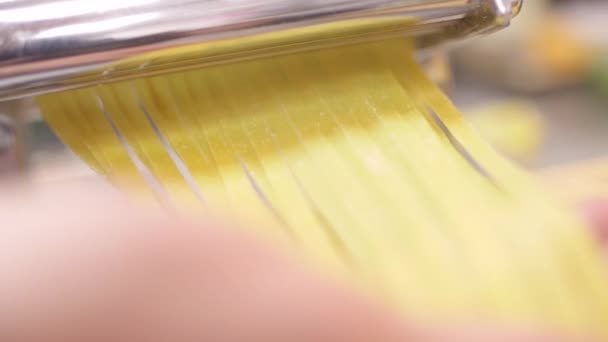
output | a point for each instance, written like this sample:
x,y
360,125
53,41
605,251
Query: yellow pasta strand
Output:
x,y
353,157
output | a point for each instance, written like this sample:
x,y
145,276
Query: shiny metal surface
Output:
x,y
51,45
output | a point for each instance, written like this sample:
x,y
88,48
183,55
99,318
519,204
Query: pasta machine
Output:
x,y
54,45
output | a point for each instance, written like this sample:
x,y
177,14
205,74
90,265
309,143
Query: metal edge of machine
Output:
x,y
53,45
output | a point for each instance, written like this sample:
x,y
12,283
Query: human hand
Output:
x,y
79,263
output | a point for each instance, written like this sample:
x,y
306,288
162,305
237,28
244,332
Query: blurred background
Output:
x,y
537,91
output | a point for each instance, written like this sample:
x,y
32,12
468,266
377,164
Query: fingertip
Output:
x,y
596,213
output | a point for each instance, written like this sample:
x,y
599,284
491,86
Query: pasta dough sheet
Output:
x,y
354,159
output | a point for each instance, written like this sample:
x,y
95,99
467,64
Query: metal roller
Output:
x,y
52,45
